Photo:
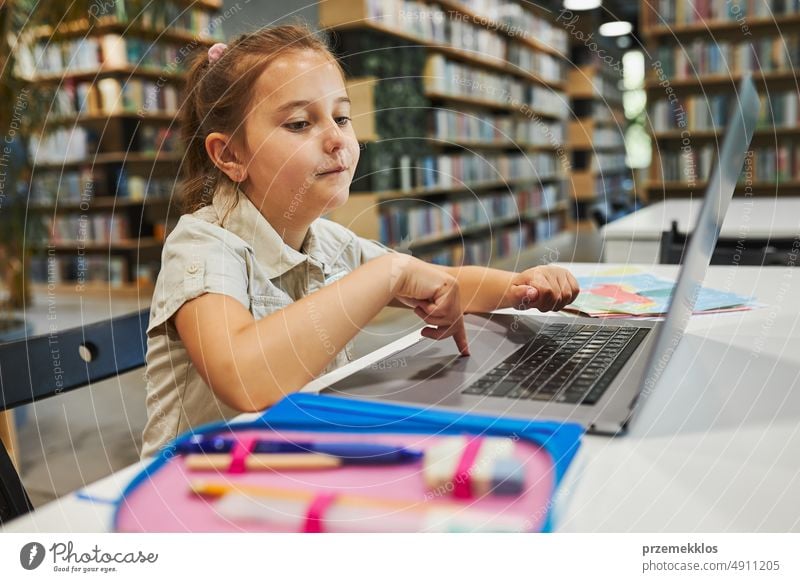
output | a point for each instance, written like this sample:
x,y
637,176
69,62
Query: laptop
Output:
x,y
561,367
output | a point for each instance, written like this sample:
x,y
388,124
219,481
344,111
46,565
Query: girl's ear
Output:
x,y
220,148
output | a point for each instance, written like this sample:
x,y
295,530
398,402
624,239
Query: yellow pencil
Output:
x,y
264,462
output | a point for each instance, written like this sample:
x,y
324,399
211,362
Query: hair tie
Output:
x,y
215,52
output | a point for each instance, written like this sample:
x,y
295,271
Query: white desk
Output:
x,y
714,448
636,238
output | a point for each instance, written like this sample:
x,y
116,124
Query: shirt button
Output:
x,y
193,268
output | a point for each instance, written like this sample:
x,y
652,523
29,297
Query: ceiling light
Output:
x,y
618,28
582,4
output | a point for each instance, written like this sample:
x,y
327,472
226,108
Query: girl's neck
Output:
x,y
291,227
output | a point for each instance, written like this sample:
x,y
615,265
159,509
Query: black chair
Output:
x,y
48,365
732,251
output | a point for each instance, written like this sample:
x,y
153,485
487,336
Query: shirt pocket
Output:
x,y
263,305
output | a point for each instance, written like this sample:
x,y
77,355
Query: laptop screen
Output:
x,y
719,192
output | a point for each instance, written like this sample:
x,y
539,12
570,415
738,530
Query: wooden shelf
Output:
x,y
99,203
494,224
360,212
97,247
116,126
113,158
703,85
487,104
712,135
96,73
582,86
498,27
787,188
580,136
110,25
388,195
494,145
94,289
463,55
721,28
532,255
155,117
715,83
352,15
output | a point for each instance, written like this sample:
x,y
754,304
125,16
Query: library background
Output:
x,y
494,132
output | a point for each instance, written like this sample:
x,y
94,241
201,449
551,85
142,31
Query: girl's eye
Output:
x,y
343,120
297,125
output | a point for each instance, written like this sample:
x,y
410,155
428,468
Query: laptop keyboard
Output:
x,y
563,363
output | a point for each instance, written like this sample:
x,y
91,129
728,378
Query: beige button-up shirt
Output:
x,y
233,250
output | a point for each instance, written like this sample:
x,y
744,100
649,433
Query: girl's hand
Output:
x,y
435,296
545,288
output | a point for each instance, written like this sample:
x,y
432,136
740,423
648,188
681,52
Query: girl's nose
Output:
x,y
334,137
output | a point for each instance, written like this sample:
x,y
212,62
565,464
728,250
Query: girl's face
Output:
x,y
301,148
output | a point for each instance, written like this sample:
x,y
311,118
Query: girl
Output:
x,y
257,294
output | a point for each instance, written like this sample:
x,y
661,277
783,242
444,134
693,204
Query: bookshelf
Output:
x,y
699,55
600,177
465,164
105,164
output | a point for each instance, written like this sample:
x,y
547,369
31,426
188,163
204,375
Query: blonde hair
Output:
x,y
217,98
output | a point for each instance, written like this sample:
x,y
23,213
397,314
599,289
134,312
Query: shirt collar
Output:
x,y
276,257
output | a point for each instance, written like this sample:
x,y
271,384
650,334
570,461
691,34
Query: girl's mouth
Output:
x,y
332,171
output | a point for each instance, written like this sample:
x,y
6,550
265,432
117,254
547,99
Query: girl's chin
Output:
x,y
335,197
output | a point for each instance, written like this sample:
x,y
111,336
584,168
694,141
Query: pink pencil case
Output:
x,y
304,500
163,498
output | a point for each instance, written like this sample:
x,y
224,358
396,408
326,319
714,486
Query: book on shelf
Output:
x,y
546,66
69,186
113,51
75,144
712,11
438,24
106,52
85,185
401,220
699,57
109,96
63,145
447,171
698,112
475,126
501,243
444,76
607,163
608,137
775,164
79,270
520,22
100,228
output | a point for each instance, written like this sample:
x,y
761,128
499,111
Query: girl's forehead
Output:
x,y
305,74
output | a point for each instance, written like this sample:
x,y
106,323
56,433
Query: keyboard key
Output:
x,y
503,388
477,389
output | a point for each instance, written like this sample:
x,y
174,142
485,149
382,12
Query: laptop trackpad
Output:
x,y
433,372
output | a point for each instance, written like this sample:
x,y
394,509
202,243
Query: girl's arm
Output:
x,y
545,287
251,364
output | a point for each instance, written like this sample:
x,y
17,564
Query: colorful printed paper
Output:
x,y
645,295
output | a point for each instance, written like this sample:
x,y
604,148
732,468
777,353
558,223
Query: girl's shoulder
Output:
x,y
202,230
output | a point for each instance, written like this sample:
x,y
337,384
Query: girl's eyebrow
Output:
x,y
303,102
